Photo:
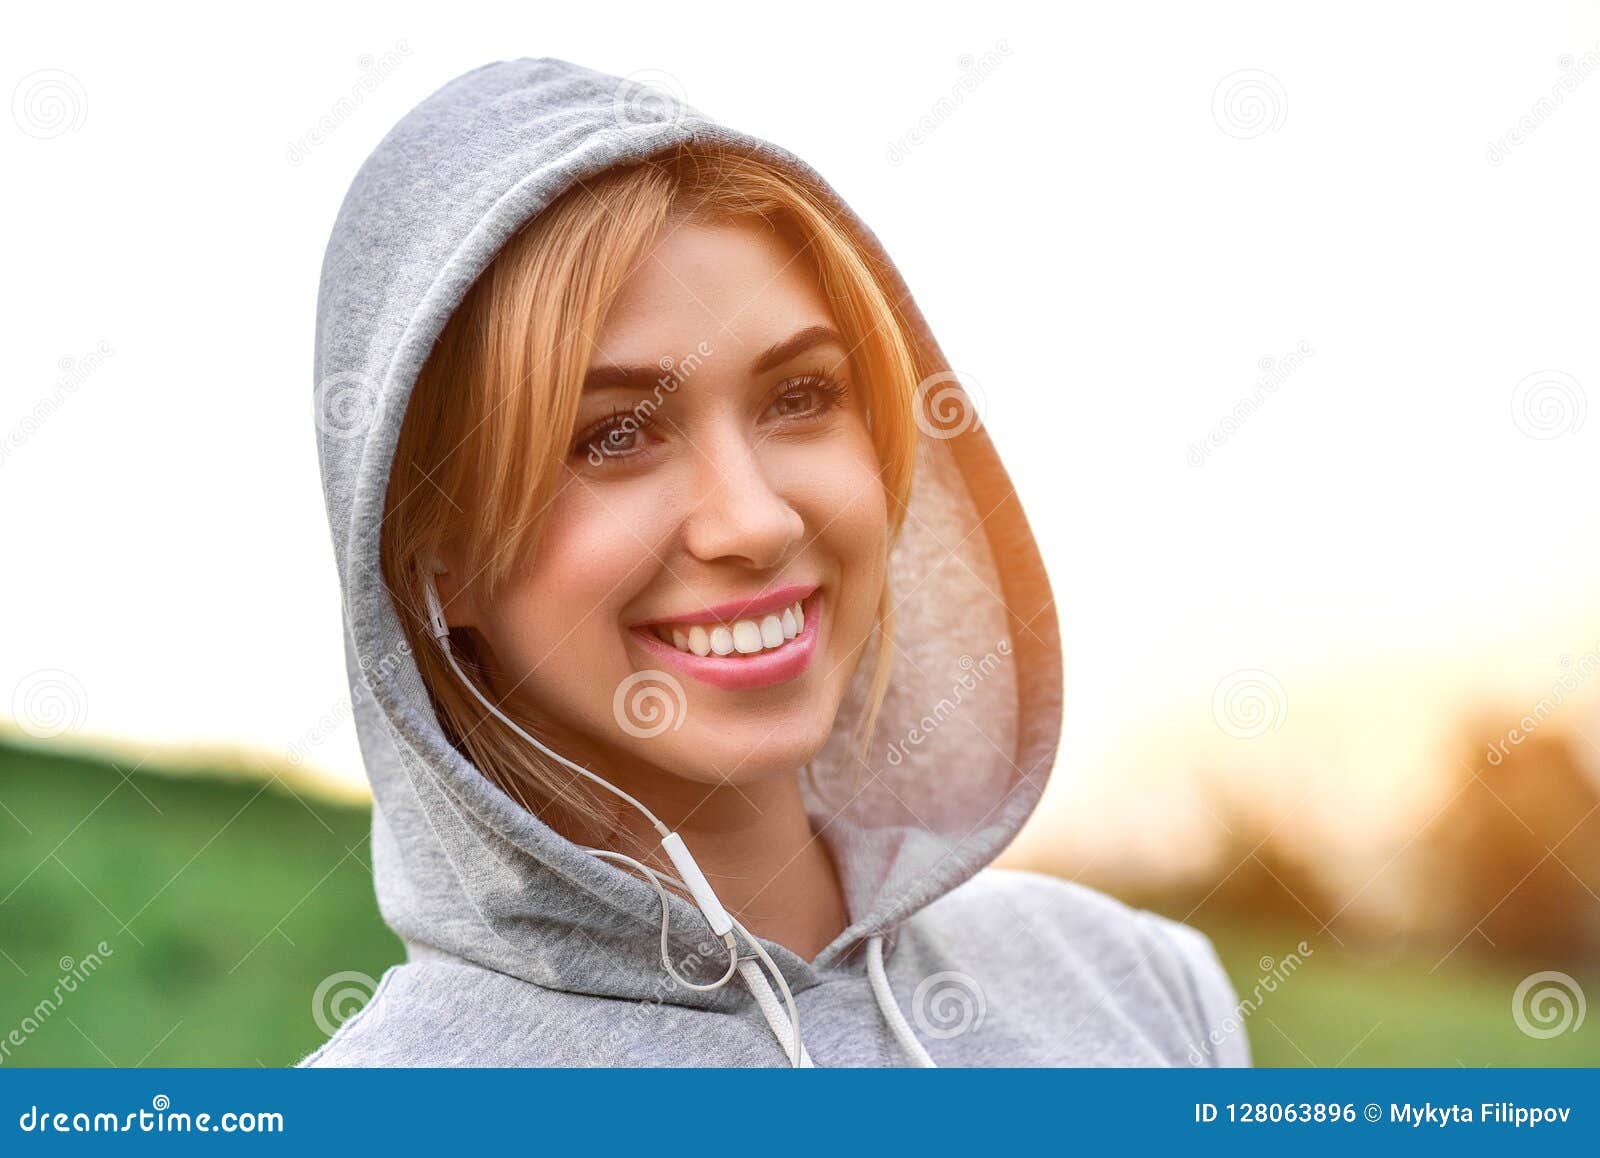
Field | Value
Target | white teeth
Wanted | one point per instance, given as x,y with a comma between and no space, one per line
771,631
744,636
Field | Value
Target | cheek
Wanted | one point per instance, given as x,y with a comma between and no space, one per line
590,559
837,489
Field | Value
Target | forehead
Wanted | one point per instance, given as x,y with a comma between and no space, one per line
740,287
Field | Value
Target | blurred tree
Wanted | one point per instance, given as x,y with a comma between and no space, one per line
1514,857
1264,869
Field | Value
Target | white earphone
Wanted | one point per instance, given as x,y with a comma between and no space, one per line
692,881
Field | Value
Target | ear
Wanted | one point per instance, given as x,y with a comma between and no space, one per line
460,608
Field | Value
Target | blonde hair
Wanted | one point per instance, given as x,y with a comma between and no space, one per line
512,359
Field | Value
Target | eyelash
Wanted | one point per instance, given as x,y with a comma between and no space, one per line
833,391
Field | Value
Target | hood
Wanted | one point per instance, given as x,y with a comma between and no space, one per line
967,734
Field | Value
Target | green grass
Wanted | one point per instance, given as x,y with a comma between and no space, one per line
1347,1006
225,902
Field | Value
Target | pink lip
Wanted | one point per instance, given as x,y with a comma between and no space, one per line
775,600
744,671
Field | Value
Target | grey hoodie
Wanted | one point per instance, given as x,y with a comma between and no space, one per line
522,949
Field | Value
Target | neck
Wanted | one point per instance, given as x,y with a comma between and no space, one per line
755,844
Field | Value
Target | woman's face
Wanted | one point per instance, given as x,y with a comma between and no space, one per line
709,572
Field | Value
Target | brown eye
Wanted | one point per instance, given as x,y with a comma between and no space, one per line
617,440
807,397
621,436
800,401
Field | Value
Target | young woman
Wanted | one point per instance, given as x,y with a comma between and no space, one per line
701,653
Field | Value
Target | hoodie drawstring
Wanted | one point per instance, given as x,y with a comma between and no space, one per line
783,1029
781,1016
773,1010
890,1008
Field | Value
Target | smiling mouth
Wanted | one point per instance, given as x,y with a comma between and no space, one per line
751,651
749,636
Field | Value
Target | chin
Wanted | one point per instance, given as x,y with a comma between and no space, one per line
746,751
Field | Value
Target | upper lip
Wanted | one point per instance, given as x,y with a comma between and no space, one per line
775,599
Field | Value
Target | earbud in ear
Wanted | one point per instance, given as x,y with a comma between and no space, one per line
430,597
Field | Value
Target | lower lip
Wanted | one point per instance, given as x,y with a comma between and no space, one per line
732,672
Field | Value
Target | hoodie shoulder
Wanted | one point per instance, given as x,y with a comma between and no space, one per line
1132,965
438,1013
421,1013
347,1040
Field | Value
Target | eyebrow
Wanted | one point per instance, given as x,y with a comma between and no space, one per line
645,377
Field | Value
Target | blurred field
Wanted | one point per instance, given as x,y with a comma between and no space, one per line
226,902
1344,1008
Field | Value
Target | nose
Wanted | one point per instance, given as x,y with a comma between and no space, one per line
740,516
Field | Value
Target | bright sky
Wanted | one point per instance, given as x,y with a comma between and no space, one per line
1112,232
